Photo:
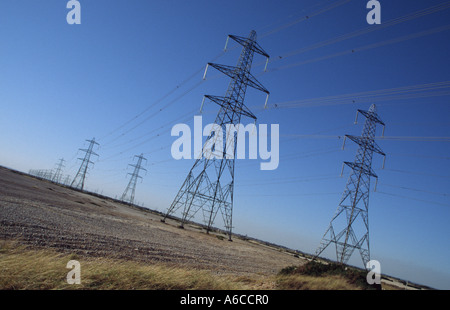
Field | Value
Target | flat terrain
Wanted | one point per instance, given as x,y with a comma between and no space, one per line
40,214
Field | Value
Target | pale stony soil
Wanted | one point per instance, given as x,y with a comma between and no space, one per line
41,214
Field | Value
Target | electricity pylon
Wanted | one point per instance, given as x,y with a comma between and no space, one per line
128,194
209,185
66,180
80,177
349,227
58,174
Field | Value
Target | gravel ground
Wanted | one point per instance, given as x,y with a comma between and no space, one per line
41,214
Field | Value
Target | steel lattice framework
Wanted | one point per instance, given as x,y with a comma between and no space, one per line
78,181
210,183
128,194
349,227
58,174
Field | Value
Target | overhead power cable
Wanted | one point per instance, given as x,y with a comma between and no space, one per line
409,92
419,173
360,32
416,189
393,138
363,48
306,17
416,199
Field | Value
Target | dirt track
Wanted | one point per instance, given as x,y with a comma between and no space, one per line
39,213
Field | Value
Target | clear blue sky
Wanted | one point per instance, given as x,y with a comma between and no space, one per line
61,84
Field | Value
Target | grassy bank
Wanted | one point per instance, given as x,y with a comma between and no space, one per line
45,269
315,276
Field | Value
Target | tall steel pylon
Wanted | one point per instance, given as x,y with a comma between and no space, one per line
58,173
128,194
349,227
78,181
210,183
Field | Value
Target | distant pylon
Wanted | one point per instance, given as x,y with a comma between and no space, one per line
66,180
59,168
80,177
209,185
128,194
349,227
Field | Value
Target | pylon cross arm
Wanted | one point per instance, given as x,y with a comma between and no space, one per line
233,72
243,41
253,82
224,102
360,167
372,116
369,143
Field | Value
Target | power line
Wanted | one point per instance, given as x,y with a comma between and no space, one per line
155,113
364,48
387,138
419,156
306,17
418,173
283,21
427,124
200,70
188,79
183,117
416,190
318,12
290,195
416,199
178,86
297,156
151,138
389,23
311,153
416,139
298,180
365,96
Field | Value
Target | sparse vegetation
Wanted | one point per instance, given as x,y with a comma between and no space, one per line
316,275
122,247
44,269
22,267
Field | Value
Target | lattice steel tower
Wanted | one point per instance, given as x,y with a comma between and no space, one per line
349,227
58,174
80,177
128,194
209,185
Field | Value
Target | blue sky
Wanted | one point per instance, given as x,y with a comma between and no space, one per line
132,69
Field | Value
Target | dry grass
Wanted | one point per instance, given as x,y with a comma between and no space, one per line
318,276
45,269
304,282
33,269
